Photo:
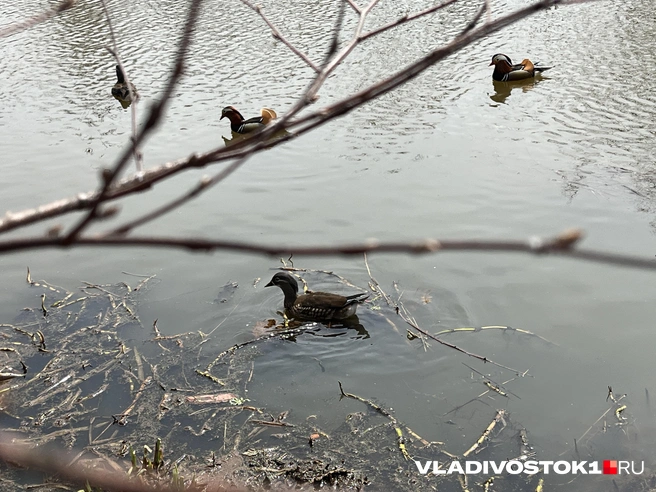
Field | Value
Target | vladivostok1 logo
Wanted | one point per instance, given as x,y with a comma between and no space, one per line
531,467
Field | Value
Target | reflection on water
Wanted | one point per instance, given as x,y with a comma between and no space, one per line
335,328
235,137
502,90
125,103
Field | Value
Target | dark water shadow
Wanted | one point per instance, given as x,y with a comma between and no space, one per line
503,90
329,329
239,137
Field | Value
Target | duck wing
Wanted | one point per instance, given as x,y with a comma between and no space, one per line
323,300
356,298
541,68
250,125
267,115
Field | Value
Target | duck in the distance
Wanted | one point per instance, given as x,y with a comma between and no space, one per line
506,71
240,125
315,305
121,89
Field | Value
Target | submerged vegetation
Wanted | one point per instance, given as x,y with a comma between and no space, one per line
87,385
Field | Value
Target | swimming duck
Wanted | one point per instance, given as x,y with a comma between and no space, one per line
120,90
239,125
315,305
505,71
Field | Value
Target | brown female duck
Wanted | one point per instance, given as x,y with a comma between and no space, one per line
315,305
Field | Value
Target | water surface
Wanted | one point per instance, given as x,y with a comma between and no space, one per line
448,155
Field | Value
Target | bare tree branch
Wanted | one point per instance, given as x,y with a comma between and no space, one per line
112,190
354,6
316,118
133,96
37,19
472,23
276,34
406,18
334,42
561,245
204,184
67,468
152,120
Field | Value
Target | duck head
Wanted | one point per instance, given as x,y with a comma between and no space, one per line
284,281
500,57
288,285
232,114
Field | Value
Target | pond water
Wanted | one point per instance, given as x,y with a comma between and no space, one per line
448,155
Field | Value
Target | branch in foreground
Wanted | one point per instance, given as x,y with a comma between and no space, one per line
561,245
203,185
276,34
133,184
68,469
37,19
133,107
155,114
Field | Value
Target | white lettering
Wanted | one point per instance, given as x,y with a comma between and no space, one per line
455,467
546,465
622,466
562,467
578,467
531,467
593,468
497,469
437,470
423,470
473,467
514,467
641,471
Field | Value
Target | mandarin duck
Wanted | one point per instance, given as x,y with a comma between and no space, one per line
505,71
121,89
239,125
315,305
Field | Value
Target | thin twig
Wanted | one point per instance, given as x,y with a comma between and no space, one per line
133,184
155,114
276,34
408,73
406,18
536,246
64,465
37,19
204,184
133,96
354,6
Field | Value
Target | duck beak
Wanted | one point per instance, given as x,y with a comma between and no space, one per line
270,284
222,116
491,63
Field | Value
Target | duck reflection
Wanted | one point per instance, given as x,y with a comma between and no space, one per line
335,328
239,137
293,328
502,90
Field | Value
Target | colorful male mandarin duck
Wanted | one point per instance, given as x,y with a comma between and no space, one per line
239,125
120,90
505,71
315,305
